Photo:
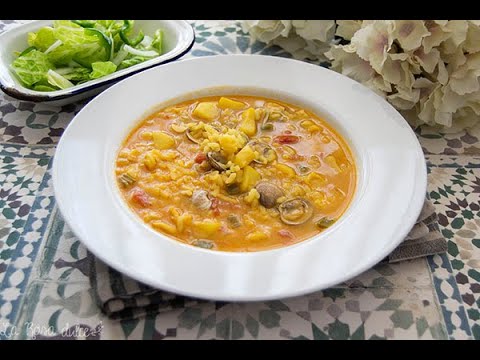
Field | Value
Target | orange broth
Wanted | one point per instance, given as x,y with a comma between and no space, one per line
236,173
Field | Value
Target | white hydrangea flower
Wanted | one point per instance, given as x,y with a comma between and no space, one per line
347,28
304,39
267,30
428,69
373,41
409,33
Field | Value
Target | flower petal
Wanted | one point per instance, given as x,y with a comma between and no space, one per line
267,30
410,33
438,34
427,61
466,84
472,42
322,30
347,28
373,42
350,64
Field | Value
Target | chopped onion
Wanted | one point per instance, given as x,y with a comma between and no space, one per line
145,53
121,55
65,70
58,80
111,47
147,41
74,64
52,47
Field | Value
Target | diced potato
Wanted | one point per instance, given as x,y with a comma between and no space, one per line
206,110
256,236
228,143
244,156
249,179
162,140
332,162
226,103
287,170
248,124
168,228
205,228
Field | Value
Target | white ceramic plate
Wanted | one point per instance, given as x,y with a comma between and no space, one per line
390,190
177,41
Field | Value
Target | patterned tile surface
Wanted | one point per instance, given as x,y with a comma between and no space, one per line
23,178
454,186
45,293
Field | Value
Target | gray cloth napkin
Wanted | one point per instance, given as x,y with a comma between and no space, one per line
424,239
121,297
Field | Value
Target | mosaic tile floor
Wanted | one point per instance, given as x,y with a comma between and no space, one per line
45,293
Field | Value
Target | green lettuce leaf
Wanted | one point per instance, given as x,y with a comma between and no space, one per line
32,67
42,39
41,87
132,61
75,74
102,68
78,45
77,51
104,24
65,23
62,55
157,42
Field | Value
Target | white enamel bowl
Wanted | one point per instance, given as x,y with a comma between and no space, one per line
390,190
178,39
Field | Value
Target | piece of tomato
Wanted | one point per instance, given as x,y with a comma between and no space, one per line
215,204
287,139
286,234
140,197
201,157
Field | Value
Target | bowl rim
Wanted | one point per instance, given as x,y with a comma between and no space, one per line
17,90
412,211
